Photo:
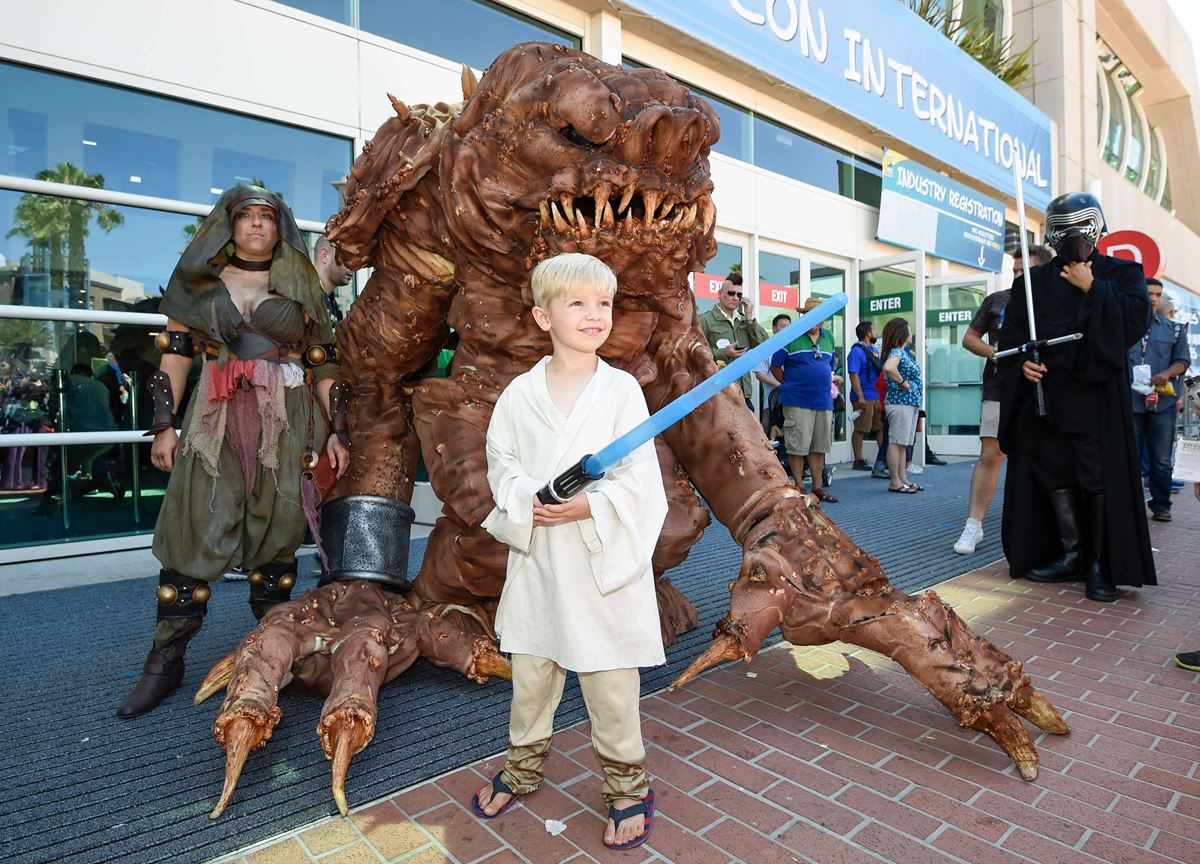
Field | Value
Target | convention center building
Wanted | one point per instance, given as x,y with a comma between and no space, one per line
861,150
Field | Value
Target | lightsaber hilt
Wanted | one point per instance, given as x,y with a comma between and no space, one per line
1041,394
1034,344
569,483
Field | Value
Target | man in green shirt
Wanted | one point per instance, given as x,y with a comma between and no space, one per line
730,327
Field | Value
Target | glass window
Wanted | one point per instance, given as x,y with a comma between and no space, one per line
341,11
778,276
68,377
74,254
474,32
59,128
792,154
1114,142
954,376
1154,167
990,11
1165,201
1137,144
727,260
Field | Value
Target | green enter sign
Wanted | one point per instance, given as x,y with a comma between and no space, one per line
885,304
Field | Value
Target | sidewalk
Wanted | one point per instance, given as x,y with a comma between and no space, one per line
834,755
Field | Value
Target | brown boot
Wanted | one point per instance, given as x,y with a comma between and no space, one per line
182,604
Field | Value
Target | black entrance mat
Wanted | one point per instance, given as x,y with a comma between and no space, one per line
78,785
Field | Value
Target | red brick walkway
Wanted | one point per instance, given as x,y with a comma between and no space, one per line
834,755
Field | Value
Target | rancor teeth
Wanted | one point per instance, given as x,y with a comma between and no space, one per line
600,195
560,224
650,197
606,217
582,224
543,214
689,218
568,206
627,223
626,197
679,214
708,213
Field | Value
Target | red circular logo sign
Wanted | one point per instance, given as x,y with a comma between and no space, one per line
1133,246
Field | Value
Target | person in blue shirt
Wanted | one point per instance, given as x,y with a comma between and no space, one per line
805,371
1164,348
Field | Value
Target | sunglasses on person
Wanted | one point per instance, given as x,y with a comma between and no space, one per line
737,294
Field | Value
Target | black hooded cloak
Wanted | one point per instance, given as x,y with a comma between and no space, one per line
1087,387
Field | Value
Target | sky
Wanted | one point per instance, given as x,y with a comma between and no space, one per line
1188,13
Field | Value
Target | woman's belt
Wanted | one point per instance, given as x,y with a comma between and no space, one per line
259,348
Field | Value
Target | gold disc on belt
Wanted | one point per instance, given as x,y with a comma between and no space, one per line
162,341
255,577
201,593
287,580
167,594
317,355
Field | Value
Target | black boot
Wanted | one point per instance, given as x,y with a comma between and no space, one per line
270,585
182,604
1065,568
1097,582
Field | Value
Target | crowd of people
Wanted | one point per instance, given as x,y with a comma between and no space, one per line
1082,428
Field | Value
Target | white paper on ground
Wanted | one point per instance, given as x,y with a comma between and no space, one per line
554,827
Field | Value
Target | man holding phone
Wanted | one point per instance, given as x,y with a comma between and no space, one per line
730,327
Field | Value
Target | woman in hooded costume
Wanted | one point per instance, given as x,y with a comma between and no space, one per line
245,297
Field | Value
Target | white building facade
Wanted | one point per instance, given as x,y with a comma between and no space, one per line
147,110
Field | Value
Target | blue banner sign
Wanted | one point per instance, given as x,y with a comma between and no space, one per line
878,61
922,209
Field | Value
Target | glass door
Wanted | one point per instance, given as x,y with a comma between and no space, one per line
894,287
954,376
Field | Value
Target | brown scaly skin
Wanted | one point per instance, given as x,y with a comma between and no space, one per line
345,641
554,151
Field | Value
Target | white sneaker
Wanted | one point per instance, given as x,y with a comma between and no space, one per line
235,574
914,469
971,535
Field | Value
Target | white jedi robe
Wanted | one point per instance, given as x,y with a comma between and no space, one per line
580,594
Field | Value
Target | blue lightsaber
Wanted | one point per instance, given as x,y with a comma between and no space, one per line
592,466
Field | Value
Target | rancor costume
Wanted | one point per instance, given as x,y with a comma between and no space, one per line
555,151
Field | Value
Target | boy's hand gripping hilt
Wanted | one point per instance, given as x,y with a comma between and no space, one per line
567,485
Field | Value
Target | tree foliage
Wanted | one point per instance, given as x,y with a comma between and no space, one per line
975,35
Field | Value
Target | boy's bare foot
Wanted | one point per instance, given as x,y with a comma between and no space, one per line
630,828
492,803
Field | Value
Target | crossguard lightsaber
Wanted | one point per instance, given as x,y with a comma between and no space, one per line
590,468
1018,173
1034,345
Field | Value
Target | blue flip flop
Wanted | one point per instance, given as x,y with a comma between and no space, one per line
498,786
646,808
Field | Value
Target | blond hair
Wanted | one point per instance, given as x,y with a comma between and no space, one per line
570,270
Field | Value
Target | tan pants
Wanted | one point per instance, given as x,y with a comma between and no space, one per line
612,700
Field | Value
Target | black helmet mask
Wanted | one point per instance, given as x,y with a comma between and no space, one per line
1074,225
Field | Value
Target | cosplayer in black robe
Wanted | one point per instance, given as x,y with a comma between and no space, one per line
1077,468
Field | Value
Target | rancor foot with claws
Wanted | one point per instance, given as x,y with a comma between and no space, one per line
343,640
802,574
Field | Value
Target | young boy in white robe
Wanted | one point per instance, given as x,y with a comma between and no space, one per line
579,592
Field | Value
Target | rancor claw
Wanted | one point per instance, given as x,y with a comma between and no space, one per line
1001,724
239,735
490,663
724,647
217,679
1038,711
343,733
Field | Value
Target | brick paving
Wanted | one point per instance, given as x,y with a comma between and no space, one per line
834,755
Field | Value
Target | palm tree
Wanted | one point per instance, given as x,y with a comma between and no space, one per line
60,225
976,35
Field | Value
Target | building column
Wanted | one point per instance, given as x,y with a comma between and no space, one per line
603,37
